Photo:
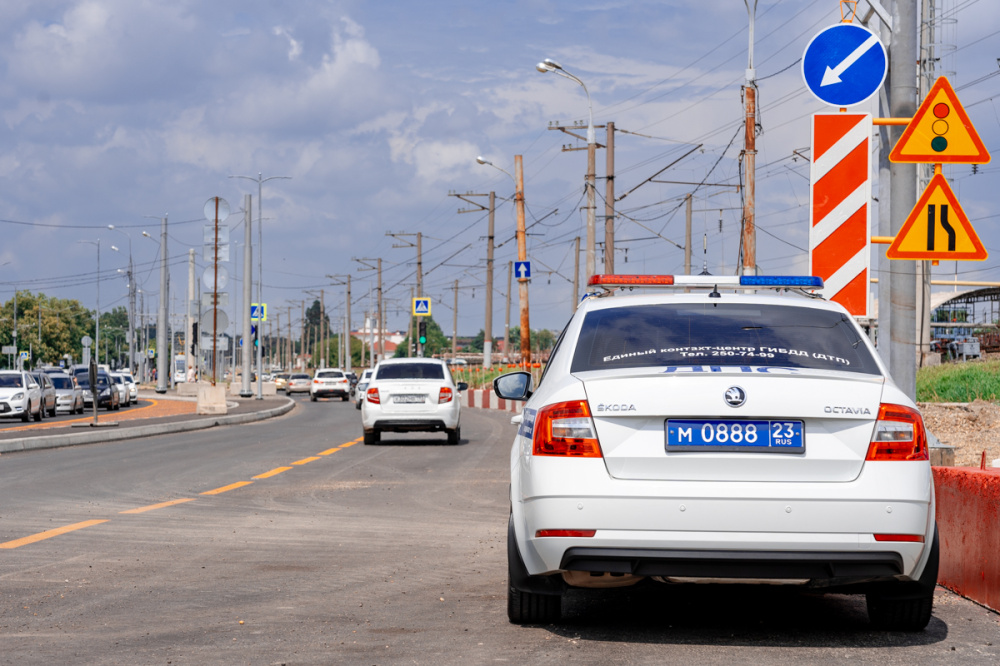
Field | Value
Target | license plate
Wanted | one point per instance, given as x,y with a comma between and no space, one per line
734,435
409,399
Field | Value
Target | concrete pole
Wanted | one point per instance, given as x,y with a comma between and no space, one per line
162,346
522,255
884,216
687,233
609,204
591,205
902,275
189,323
454,325
246,389
576,273
347,327
381,315
506,319
488,328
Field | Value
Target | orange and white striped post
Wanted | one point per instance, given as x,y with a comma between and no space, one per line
840,207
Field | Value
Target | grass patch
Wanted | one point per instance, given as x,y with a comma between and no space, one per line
959,382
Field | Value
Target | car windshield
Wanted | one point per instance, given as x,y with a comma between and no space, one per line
720,334
410,371
330,374
11,381
62,382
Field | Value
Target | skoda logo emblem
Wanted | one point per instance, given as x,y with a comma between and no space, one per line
735,396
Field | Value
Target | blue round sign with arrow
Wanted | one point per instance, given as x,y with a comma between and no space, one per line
844,65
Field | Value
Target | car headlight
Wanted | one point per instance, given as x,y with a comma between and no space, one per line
105,391
18,396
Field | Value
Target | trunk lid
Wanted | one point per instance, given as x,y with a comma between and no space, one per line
837,410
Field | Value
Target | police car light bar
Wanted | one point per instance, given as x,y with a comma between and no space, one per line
709,281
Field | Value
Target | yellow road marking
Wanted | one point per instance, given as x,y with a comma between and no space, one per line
48,534
223,489
346,444
161,505
329,451
274,472
89,418
305,460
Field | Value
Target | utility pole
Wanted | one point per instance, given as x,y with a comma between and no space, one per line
162,346
609,204
488,328
687,233
576,273
291,350
379,318
246,390
302,336
902,274
506,319
454,326
189,323
522,255
420,272
749,157
409,330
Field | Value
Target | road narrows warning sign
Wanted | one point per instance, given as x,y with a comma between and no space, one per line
937,228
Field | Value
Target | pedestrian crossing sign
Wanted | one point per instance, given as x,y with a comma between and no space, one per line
421,307
258,312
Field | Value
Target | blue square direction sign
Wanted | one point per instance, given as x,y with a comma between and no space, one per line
421,307
522,270
258,312
844,65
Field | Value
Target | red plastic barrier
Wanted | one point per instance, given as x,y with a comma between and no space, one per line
968,518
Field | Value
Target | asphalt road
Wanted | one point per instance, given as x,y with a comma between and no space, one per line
344,553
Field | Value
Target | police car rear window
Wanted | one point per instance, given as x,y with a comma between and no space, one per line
720,334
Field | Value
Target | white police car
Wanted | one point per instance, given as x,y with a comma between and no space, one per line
719,436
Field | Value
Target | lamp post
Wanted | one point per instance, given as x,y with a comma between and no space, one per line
548,65
97,324
522,253
260,180
131,299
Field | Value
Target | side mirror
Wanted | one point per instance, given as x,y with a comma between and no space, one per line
513,386
462,386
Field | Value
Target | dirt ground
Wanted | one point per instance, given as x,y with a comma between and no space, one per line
971,428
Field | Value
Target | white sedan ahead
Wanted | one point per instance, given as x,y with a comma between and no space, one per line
409,395
719,437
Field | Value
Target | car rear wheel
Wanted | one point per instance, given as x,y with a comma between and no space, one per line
523,606
906,606
52,412
41,413
312,397
343,398
372,436
454,436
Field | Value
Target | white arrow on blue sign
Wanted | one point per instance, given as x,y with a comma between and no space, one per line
844,65
522,269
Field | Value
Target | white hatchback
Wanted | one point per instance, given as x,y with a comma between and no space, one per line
412,394
719,437
330,382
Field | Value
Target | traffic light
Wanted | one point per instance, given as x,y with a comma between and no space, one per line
256,337
194,336
940,127
422,332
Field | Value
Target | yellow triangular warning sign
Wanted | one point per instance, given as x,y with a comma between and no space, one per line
937,228
940,131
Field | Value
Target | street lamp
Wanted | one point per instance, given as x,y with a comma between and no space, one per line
522,253
163,361
97,325
131,298
260,180
548,65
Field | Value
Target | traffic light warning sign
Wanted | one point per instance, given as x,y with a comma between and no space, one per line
937,228
940,132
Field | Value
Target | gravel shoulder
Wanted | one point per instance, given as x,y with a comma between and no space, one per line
971,428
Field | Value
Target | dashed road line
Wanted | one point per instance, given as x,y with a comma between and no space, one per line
274,472
306,460
161,505
226,489
48,534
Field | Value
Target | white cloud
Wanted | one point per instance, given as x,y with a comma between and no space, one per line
294,46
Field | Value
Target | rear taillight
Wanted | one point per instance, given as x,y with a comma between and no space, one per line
372,396
444,395
899,435
911,538
566,429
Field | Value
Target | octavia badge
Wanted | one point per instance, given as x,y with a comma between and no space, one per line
735,396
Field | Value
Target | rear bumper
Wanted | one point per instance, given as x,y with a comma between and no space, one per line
410,425
325,392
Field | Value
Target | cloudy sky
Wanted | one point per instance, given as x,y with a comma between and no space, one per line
123,111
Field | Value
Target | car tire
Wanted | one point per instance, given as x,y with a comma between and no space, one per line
312,397
454,436
41,413
906,606
524,606
26,416
357,405
343,398
372,436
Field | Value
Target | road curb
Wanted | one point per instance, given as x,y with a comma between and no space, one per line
115,435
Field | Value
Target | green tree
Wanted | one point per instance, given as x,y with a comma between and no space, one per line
436,340
49,327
